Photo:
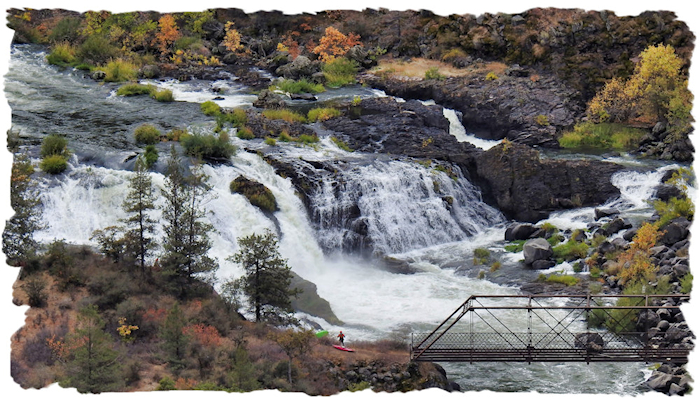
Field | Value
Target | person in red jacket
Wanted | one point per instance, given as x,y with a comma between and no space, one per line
341,337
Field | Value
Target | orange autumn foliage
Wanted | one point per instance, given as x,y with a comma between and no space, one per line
167,33
206,335
335,44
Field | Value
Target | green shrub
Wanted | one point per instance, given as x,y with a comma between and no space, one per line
284,137
135,89
53,164
359,386
270,141
237,117
120,71
453,54
482,275
300,86
495,266
307,139
62,54
208,146
555,239
166,383
542,120
516,246
603,135
673,209
67,29
286,115
341,145
624,320
568,280
164,95
571,250
340,72
151,155
176,134
146,134
54,145
686,282
432,73
97,50
481,256
245,133
187,42
322,114
210,108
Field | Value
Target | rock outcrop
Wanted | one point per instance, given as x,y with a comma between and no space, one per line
513,107
527,188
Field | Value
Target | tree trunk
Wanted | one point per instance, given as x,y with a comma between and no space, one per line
289,370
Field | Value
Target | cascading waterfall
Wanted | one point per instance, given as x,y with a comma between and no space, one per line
457,130
405,206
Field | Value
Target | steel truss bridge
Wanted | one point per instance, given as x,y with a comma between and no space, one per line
554,328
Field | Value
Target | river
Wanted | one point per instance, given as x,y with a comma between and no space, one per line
405,216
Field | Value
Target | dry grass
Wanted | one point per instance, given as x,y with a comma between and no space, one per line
416,68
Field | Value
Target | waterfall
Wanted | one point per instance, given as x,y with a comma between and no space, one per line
399,206
457,130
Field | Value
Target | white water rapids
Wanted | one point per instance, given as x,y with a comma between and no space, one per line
403,203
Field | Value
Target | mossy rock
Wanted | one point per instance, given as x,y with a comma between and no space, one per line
310,302
255,192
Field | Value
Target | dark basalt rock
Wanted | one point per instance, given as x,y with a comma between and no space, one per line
512,107
525,187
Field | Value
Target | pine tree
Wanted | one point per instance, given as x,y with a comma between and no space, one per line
242,377
92,365
18,238
138,203
267,277
186,233
174,339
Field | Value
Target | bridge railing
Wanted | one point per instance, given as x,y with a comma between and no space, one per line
553,328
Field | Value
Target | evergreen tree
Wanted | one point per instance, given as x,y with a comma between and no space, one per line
92,365
174,339
18,238
186,233
137,203
267,277
242,377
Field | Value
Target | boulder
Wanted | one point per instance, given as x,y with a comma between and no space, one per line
674,232
267,99
665,192
616,225
98,75
606,247
620,243
659,381
646,320
303,96
537,249
543,264
605,212
520,231
592,342
301,67
629,234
